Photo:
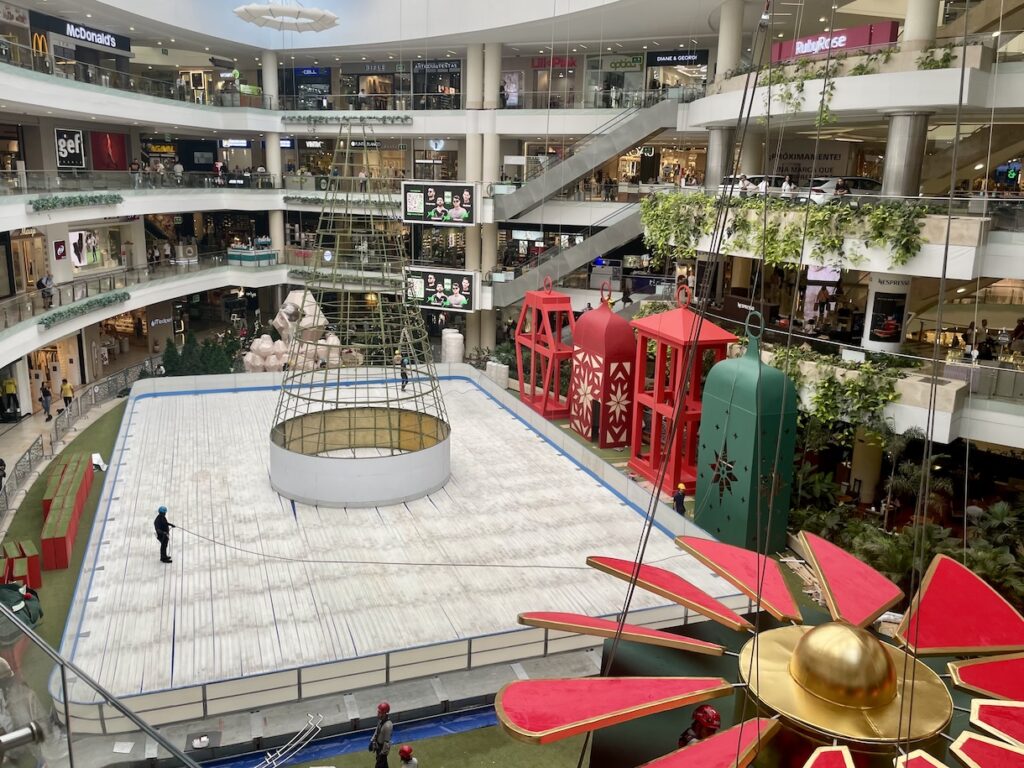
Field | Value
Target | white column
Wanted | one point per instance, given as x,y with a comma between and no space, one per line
63,270
920,25
491,158
137,236
276,225
885,320
752,153
473,77
270,93
272,153
492,75
730,37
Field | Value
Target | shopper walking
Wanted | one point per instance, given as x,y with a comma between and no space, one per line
679,498
46,398
45,284
380,744
163,533
67,392
135,169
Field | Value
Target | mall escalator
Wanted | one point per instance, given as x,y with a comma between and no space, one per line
623,132
610,233
1005,141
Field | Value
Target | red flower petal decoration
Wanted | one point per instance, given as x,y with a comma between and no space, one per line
587,625
854,591
830,757
1001,677
751,573
976,751
1003,719
542,711
732,748
956,612
672,587
918,759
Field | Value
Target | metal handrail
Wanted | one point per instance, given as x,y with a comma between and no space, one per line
66,666
18,473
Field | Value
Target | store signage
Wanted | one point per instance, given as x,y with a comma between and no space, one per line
442,204
162,149
812,46
40,46
527,234
372,68
235,143
11,14
677,58
315,119
313,143
623,63
79,32
441,289
160,321
312,71
554,62
287,143
60,249
647,150
70,147
364,144
442,65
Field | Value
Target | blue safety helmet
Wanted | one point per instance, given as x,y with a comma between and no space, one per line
162,511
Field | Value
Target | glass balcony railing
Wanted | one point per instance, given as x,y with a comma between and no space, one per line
64,716
49,64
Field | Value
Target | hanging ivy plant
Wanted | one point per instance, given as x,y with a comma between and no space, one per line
54,202
83,307
674,224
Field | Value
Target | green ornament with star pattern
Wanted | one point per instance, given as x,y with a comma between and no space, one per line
745,452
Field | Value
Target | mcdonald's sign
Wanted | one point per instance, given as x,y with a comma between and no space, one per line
40,45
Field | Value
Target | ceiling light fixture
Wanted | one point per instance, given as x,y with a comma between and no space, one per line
88,15
293,18
131,29
979,166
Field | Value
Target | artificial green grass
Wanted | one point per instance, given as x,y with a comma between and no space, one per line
480,748
58,586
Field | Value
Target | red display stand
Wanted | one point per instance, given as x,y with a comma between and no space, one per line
541,352
680,341
601,390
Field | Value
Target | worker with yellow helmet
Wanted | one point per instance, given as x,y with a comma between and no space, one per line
679,497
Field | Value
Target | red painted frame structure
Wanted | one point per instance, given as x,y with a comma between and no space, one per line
540,351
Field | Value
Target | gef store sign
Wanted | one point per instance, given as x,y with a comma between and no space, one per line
819,46
70,144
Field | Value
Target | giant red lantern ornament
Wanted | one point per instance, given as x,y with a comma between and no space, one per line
679,339
541,351
601,390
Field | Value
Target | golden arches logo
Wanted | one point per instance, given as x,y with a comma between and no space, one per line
40,45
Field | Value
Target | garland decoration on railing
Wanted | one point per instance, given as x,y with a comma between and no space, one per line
675,222
363,200
53,202
83,307
320,119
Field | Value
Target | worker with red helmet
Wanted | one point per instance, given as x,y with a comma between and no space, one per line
405,755
706,722
380,744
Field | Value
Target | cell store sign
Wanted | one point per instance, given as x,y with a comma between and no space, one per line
441,289
70,148
446,205
819,46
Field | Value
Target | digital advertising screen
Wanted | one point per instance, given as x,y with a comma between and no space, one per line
446,204
441,289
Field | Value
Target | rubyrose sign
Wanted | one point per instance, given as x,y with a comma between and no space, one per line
837,40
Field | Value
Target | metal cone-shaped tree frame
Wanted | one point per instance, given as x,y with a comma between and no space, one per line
360,420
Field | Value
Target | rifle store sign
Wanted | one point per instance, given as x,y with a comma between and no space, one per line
70,147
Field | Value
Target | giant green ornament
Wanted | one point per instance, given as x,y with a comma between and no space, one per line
745,454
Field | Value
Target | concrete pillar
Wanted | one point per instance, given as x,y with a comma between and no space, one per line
491,171
904,154
920,24
63,270
752,153
473,170
885,320
473,78
276,224
719,157
730,37
492,75
137,237
488,262
865,466
272,153
270,93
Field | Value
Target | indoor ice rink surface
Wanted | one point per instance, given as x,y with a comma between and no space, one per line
271,591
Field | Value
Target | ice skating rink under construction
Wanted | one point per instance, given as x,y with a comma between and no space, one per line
267,601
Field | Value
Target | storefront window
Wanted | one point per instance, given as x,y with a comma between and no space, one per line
614,81
437,84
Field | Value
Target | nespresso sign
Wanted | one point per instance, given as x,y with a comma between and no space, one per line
102,38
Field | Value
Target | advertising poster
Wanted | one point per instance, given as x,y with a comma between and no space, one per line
444,204
70,147
887,315
85,250
441,289
513,83
108,151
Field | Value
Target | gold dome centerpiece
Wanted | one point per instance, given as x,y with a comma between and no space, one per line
840,682
844,665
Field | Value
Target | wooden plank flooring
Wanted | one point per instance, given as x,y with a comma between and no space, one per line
268,593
